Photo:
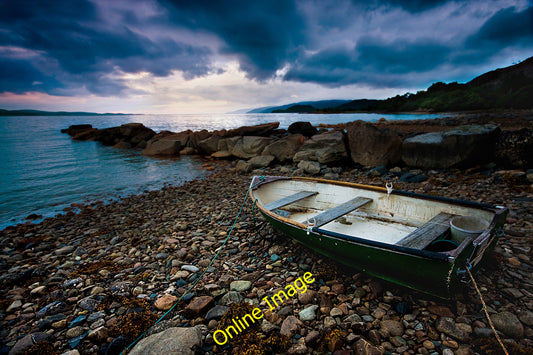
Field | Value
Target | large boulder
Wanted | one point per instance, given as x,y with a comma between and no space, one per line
209,145
173,341
305,128
264,129
250,146
136,134
460,146
165,144
514,149
372,146
284,149
76,129
325,148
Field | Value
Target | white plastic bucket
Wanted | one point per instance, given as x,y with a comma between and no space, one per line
463,227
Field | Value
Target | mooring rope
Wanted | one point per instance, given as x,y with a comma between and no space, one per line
486,311
261,179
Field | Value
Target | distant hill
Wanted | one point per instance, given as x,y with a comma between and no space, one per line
322,104
49,113
506,88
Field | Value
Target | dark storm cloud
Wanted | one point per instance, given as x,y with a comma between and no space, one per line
76,45
63,47
263,34
507,27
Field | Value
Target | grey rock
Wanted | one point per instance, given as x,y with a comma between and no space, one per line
261,161
308,313
231,297
460,146
509,324
216,312
310,167
190,268
173,341
285,148
325,148
250,146
243,167
240,285
165,144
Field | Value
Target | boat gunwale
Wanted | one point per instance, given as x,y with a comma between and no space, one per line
450,256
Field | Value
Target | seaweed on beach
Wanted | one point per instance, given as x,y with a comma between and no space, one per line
92,269
491,346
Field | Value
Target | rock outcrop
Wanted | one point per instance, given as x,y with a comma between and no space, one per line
324,148
372,146
460,146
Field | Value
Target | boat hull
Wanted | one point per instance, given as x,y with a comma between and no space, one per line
439,274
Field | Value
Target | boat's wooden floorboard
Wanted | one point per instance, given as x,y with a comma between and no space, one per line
428,232
289,199
340,210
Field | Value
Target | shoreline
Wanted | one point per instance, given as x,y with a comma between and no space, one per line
111,264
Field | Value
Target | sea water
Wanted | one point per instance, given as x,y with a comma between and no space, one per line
43,171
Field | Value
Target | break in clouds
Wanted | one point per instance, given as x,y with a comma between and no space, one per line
72,47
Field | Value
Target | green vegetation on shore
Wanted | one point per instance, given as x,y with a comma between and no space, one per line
507,88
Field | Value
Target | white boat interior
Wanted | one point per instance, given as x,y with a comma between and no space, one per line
360,212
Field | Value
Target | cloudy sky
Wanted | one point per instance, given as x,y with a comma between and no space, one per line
187,56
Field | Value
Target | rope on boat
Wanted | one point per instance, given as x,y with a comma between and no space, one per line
486,312
261,179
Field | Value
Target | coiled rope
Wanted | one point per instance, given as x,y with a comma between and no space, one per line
261,179
486,311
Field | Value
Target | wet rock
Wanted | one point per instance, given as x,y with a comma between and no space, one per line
173,341
199,304
88,303
51,308
165,302
216,312
509,324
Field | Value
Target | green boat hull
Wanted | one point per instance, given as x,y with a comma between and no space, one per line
439,276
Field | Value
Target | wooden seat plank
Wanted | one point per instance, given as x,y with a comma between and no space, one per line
340,210
428,232
289,199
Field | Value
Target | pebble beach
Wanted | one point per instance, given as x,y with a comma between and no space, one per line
94,281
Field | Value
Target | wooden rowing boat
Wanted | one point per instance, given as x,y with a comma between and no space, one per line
399,236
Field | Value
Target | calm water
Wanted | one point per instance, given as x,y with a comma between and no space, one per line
44,171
